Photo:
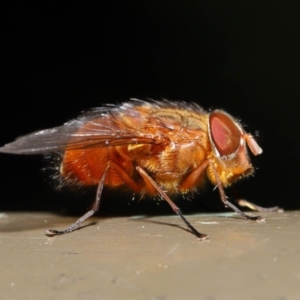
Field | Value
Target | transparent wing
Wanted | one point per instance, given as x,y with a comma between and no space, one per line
100,128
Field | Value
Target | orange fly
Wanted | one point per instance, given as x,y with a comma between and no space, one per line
153,147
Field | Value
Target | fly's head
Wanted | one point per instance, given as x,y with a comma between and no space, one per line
229,152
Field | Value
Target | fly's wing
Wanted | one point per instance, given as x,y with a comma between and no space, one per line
117,126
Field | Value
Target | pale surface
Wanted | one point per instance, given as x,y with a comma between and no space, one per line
150,258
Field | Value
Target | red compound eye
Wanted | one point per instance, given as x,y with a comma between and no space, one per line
225,133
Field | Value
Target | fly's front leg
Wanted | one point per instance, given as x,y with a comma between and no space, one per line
246,203
229,204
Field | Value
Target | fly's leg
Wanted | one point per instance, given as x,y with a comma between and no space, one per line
151,184
229,204
125,177
192,179
245,203
95,208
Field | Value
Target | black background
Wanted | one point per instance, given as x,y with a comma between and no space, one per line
61,58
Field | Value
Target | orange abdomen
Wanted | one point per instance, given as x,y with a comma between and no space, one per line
86,166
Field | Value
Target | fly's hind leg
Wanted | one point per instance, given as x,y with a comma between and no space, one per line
126,179
95,208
